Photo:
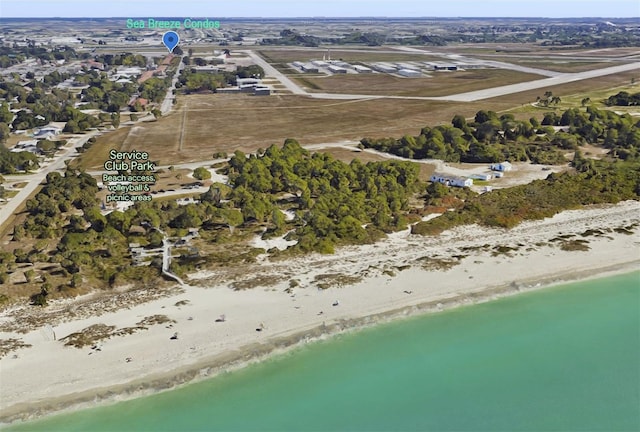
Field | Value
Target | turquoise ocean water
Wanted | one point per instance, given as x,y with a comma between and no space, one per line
563,358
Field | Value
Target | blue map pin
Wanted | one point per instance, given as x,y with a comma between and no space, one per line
170,39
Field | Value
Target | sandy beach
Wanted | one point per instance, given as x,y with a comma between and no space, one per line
211,328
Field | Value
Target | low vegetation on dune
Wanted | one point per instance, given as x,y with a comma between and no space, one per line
595,182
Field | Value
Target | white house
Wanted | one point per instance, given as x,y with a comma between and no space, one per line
504,166
451,180
484,177
29,146
47,131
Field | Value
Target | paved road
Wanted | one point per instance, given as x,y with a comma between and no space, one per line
34,180
513,67
167,103
271,71
533,85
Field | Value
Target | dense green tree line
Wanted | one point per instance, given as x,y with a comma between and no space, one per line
492,138
335,202
66,209
12,55
14,162
124,59
623,98
191,81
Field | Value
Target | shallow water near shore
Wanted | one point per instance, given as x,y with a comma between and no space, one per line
563,358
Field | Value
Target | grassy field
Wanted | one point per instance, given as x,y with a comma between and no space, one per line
557,65
572,94
598,96
98,154
437,84
225,123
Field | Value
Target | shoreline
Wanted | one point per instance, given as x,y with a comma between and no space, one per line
270,349
207,348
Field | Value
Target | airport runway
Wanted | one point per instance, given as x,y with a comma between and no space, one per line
555,78
494,91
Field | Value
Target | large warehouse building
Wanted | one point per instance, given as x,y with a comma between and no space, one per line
410,73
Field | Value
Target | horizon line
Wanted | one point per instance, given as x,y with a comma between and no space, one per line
322,16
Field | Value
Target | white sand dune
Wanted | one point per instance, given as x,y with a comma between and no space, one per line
390,281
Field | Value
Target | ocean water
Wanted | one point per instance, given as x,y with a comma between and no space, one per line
560,359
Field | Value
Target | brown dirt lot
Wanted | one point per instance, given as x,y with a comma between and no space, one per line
437,84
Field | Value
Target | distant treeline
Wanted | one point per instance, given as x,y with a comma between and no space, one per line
596,36
12,55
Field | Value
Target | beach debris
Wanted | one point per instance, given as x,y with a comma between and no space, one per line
222,318
175,336
190,319
128,359
336,303
408,292
262,327
320,313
